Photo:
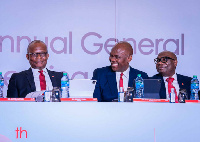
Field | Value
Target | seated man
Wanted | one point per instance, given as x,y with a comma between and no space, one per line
36,78
118,74
166,63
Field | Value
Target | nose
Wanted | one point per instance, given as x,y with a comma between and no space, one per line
158,63
39,56
112,59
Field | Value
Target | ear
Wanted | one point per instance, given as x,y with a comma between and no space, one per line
129,58
47,56
175,63
27,56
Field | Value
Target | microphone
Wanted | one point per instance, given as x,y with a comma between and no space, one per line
182,96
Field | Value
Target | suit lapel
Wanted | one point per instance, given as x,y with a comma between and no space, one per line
132,77
111,77
162,89
180,82
52,77
30,78
162,92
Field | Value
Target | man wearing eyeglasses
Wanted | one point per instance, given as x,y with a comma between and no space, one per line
118,75
36,78
166,64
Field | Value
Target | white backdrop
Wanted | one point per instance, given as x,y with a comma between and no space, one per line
80,33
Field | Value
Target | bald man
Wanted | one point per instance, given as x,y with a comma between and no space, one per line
166,63
108,78
37,77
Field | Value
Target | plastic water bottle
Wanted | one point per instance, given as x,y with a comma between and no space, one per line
139,87
65,86
194,88
121,95
1,85
172,96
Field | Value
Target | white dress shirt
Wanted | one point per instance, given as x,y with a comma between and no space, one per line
125,79
36,74
174,83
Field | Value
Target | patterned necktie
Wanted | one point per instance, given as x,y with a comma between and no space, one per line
42,80
121,81
170,86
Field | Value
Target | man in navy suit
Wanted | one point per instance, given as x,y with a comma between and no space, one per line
108,78
20,84
166,63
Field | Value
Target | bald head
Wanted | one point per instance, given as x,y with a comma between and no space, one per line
34,43
168,54
125,46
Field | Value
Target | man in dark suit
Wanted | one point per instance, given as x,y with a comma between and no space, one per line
108,78
36,78
166,63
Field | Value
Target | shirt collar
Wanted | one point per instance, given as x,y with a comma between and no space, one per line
173,76
125,73
35,71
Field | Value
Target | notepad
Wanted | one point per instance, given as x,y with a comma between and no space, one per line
81,88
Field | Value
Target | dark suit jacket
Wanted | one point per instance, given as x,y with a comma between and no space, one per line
106,87
183,81
20,84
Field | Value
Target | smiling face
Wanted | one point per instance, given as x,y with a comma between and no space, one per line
37,55
120,56
168,68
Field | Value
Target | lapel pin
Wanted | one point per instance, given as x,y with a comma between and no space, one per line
182,84
52,76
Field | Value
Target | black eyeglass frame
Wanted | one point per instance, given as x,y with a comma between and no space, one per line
162,59
43,54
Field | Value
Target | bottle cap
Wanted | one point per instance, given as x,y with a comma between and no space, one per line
194,76
139,75
64,73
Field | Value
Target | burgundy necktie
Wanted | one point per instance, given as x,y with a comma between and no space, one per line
170,86
121,81
42,80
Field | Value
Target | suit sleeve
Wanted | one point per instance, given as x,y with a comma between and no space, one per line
188,85
97,90
12,88
145,76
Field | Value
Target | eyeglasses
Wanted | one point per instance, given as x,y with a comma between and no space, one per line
162,59
43,54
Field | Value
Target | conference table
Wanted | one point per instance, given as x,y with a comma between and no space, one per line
72,121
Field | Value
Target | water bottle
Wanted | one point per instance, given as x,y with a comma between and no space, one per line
139,87
172,96
121,95
65,86
1,85
194,88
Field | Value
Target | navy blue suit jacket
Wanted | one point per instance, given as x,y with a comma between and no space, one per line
183,81
106,87
20,84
